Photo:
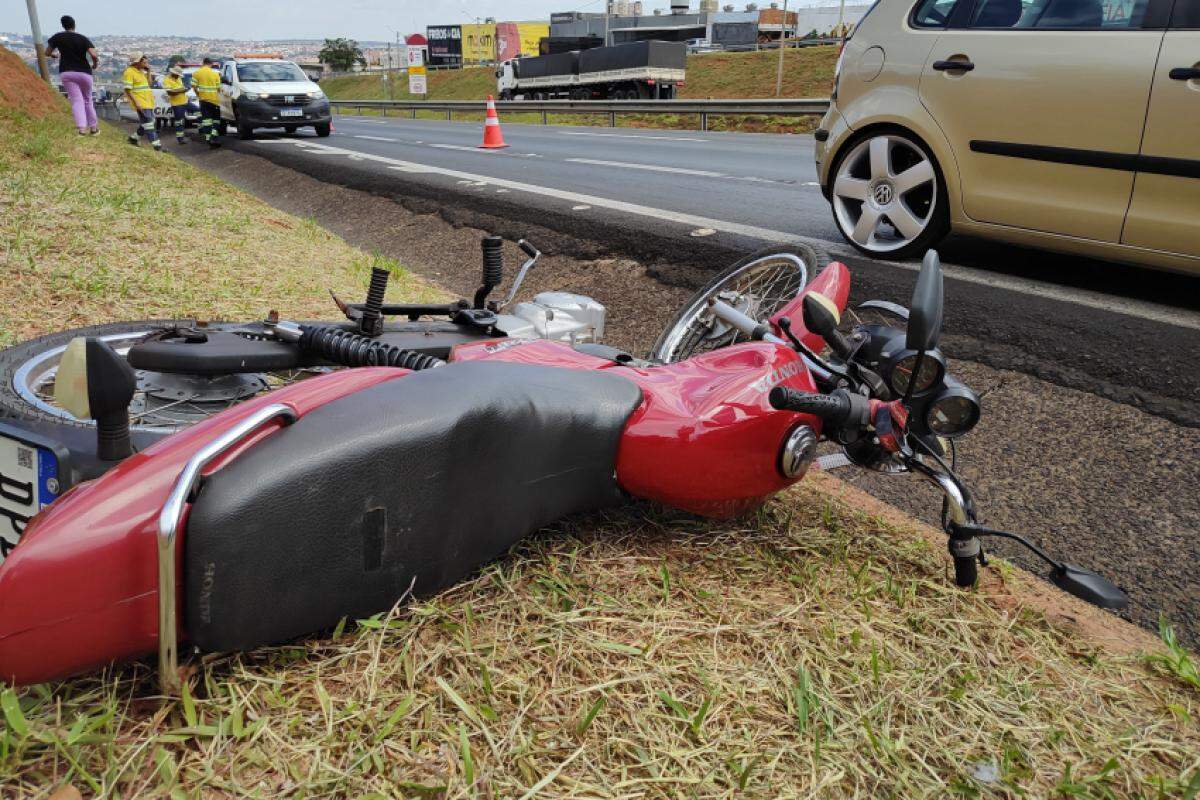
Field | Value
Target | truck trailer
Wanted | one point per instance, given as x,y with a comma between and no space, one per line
648,70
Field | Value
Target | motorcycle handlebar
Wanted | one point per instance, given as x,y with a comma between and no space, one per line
835,407
840,407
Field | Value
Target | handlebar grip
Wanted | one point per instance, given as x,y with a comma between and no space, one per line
835,407
528,248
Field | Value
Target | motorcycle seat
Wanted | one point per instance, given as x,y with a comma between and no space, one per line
409,484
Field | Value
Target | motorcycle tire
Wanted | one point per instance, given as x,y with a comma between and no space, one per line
693,330
25,376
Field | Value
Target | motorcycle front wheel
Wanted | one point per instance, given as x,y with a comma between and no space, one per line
162,404
758,285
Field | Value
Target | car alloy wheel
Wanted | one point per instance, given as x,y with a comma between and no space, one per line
885,193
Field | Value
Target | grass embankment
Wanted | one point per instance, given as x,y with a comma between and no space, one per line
92,230
808,72
811,650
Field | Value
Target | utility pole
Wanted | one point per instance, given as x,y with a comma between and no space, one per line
607,11
782,36
38,46
841,19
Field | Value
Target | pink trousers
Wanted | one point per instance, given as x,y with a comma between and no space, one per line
79,92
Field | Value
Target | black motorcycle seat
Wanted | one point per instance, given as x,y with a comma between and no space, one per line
412,483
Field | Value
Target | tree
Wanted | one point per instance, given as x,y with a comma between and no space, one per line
178,58
341,54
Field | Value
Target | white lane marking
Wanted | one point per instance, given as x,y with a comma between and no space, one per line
650,167
580,208
375,138
351,118
466,148
633,136
1082,297
691,220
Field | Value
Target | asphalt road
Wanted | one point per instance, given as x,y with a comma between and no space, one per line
706,198
1090,432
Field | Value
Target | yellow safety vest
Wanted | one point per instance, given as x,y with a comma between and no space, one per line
207,83
177,99
137,83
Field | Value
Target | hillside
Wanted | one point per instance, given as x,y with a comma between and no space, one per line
808,72
814,649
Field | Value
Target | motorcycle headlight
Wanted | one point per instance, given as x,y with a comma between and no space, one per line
953,412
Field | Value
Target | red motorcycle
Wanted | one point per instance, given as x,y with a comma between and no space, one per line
338,495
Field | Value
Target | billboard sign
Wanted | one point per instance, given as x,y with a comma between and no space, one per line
515,39
445,45
478,43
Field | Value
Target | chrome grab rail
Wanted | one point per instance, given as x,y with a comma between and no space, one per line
169,520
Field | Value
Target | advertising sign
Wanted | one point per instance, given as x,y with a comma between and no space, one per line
415,56
514,39
445,45
478,43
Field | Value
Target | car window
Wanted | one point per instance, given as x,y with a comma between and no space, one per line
932,13
261,73
1186,14
1060,14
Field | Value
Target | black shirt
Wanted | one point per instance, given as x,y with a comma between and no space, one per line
72,50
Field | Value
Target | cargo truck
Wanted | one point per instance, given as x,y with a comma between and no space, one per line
648,70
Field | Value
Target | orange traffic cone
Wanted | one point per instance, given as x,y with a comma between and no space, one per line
492,137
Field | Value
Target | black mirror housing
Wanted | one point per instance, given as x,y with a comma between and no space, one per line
925,314
1089,586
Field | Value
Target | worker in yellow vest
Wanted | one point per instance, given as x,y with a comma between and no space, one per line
177,96
141,99
207,83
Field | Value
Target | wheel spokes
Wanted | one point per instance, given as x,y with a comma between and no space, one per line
880,157
864,229
851,188
904,221
917,175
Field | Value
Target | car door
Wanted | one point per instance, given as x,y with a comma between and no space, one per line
1165,212
1044,102
226,93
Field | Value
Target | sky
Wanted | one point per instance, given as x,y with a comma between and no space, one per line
281,19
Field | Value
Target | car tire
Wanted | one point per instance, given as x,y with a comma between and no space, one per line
888,195
244,131
323,129
290,128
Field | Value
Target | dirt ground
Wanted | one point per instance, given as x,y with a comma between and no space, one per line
1084,476
20,87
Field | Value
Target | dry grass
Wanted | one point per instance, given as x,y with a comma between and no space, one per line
810,651
808,72
92,230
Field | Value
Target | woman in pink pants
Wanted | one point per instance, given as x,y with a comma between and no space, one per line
74,52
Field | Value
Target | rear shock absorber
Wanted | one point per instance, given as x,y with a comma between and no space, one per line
493,267
355,350
371,323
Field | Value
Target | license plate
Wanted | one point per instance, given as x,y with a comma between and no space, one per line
291,112
28,483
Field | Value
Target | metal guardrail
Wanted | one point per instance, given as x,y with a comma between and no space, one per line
702,108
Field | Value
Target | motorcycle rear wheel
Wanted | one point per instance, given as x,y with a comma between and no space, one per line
758,285
162,404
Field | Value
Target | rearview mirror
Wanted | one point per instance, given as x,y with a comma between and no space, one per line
925,314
